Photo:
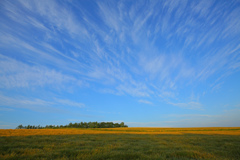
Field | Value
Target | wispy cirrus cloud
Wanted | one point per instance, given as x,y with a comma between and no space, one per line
146,59
145,102
6,109
16,74
58,17
159,50
189,105
69,103
37,104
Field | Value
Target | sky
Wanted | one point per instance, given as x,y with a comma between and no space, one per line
166,63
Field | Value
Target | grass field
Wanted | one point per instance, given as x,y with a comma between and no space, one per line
121,143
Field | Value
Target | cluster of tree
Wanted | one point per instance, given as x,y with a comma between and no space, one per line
77,125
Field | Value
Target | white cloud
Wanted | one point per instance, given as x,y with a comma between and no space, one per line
112,21
20,102
135,47
66,102
6,109
167,94
145,101
59,17
17,74
137,90
189,105
37,104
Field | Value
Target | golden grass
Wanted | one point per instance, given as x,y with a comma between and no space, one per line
131,130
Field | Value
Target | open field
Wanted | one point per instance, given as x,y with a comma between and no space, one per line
121,143
132,130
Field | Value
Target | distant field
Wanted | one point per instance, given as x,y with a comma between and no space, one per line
132,130
121,143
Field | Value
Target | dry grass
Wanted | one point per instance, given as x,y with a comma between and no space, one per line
132,130
121,143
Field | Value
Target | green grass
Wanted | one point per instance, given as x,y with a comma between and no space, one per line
122,146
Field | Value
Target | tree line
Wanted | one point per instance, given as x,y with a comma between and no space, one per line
76,125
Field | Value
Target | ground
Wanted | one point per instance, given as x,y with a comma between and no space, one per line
121,143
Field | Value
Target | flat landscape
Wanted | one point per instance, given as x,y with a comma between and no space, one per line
96,79
121,143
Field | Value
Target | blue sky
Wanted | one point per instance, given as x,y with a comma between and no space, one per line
147,63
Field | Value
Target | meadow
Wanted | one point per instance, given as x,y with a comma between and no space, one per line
121,143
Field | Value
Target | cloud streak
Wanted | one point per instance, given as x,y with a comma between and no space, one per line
16,74
36,104
189,105
145,102
169,69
